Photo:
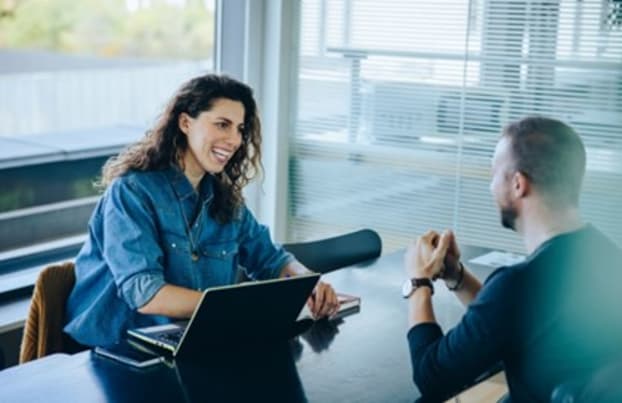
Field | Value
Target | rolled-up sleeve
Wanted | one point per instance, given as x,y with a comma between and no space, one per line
141,288
261,258
130,247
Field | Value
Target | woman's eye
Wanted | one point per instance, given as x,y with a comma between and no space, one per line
221,125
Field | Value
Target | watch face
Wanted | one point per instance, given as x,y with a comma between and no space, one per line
407,288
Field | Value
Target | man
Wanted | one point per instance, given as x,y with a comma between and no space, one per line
552,318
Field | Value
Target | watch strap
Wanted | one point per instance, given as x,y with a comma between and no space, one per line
422,282
418,283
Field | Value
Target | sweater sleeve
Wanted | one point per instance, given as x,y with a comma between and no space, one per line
445,364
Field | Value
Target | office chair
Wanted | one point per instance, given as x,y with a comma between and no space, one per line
326,255
43,330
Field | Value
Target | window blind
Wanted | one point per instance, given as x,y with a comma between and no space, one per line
400,105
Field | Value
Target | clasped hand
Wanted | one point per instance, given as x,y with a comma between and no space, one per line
432,256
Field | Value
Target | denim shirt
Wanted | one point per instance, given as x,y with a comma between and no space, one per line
142,235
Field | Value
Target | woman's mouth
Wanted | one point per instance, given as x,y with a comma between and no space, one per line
221,155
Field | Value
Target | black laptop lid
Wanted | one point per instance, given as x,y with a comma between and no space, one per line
246,315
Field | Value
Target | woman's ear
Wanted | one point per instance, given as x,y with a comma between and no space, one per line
184,122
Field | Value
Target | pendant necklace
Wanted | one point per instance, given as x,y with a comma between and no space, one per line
194,253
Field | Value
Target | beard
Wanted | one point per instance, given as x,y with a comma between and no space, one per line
508,216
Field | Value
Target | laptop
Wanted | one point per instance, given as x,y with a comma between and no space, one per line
243,314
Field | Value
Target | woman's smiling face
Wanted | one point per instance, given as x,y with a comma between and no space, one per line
213,136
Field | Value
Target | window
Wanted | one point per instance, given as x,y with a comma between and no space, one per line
71,65
401,103
78,82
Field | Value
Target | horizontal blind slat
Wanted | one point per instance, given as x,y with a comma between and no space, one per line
401,106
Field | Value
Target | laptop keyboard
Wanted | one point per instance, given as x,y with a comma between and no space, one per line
171,337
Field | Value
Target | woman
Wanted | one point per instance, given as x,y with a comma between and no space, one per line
172,219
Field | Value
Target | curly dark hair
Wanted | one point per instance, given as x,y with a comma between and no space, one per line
165,143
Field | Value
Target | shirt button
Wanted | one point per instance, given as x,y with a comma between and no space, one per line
173,245
224,252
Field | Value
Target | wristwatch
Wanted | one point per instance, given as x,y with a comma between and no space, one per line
410,285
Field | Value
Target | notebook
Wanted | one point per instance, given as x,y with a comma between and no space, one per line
130,353
252,312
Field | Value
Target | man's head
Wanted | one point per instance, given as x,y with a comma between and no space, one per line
537,156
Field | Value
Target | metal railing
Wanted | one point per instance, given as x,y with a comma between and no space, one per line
45,102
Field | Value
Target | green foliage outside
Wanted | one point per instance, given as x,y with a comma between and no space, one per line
15,198
109,28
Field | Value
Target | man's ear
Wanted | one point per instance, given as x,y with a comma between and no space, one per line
521,187
184,122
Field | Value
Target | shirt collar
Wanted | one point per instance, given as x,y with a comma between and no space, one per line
183,188
584,227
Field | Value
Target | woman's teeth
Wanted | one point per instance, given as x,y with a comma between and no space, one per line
221,155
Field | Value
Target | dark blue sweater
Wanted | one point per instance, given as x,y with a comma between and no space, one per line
554,317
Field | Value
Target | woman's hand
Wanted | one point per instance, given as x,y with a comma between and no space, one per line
323,302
